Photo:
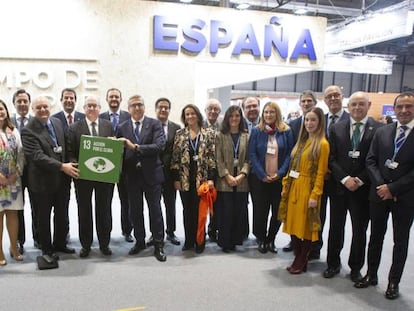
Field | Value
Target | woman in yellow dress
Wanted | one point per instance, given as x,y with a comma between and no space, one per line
303,187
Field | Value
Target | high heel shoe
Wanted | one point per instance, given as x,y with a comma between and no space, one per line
3,261
16,255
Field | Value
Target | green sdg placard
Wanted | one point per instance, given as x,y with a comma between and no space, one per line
100,159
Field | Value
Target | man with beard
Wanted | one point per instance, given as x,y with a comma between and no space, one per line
68,116
117,116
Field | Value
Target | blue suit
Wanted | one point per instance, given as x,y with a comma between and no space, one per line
144,173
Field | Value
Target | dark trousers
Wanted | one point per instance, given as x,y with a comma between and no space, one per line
169,195
66,184
21,233
232,206
317,245
126,223
136,191
103,214
43,202
358,205
402,219
190,201
268,198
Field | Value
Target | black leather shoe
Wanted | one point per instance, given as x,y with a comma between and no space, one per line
356,276
21,249
173,239
128,238
288,247
65,249
105,250
187,247
136,249
53,255
271,247
200,248
84,252
150,242
314,255
262,247
367,281
331,272
392,291
159,254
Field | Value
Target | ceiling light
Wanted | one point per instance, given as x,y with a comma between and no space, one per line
243,6
301,11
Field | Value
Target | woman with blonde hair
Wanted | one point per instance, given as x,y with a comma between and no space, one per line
11,167
303,187
270,144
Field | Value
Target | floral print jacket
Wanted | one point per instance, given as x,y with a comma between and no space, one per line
180,163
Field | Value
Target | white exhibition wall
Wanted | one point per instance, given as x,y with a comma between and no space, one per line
97,44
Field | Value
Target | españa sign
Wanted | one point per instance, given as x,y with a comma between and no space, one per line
100,159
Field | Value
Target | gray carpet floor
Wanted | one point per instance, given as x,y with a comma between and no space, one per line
242,280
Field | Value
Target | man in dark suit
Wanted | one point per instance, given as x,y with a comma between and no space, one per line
95,126
21,101
349,144
333,99
144,141
45,151
307,101
117,116
390,168
169,194
68,116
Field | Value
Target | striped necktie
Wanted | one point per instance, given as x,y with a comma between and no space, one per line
401,137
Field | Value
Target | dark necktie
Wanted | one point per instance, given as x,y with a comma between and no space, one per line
332,122
70,119
401,137
356,135
114,120
21,125
94,132
136,131
52,133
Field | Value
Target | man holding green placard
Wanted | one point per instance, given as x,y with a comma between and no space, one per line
94,126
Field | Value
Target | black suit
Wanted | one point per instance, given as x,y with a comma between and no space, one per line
169,193
295,126
77,116
144,173
44,162
21,236
327,190
126,224
400,182
341,165
84,189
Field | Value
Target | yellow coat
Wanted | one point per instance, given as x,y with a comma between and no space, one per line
300,192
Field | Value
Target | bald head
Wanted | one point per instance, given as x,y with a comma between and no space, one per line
358,105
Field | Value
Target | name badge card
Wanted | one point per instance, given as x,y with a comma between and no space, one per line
354,154
392,165
294,174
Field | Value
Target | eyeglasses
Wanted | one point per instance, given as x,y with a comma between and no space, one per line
163,108
333,95
137,105
92,106
213,109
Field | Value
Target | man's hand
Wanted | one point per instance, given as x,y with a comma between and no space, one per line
384,192
70,169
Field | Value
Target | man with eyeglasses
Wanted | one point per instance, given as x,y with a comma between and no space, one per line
390,168
169,194
333,99
212,110
95,126
45,152
116,115
144,141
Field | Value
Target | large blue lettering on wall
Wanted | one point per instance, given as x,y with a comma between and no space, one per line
221,36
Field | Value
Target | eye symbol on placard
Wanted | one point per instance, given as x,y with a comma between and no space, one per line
99,165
